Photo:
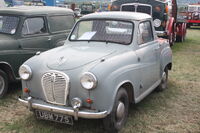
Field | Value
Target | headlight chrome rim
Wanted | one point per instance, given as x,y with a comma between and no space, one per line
76,102
25,72
92,77
157,23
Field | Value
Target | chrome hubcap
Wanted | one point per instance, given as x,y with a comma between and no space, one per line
2,84
120,110
164,78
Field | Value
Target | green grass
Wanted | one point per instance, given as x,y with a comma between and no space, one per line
175,110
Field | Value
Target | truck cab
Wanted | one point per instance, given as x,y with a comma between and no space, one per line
163,12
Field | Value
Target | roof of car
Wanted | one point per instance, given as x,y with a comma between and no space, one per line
118,15
34,10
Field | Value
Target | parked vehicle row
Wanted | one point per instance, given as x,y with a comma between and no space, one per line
109,60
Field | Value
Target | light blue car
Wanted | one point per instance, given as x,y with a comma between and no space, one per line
109,60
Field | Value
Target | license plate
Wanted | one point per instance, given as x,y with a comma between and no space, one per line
54,117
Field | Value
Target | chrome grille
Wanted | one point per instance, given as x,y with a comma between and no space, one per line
55,85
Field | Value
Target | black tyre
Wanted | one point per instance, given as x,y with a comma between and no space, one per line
3,83
180,38
118,117
164,81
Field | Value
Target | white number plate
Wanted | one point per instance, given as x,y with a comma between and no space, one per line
54,117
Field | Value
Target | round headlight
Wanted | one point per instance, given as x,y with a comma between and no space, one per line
25,72
157,23
88,81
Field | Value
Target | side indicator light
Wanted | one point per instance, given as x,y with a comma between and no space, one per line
89,101
26,90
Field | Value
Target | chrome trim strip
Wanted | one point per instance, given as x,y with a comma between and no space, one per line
67,111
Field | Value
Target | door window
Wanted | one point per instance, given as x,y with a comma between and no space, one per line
33,26
61,23
145,33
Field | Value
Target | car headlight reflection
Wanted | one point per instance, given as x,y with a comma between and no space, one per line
88,81
25,72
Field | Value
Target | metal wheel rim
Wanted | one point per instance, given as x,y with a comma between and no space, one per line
164,79
2,84
120,111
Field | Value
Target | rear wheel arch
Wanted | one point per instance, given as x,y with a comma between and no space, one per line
6,67
169,66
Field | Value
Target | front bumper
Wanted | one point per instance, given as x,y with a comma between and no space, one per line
38,104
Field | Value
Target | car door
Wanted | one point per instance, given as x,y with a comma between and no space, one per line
147,53
34,36
60,27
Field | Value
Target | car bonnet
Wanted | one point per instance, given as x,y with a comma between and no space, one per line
74,56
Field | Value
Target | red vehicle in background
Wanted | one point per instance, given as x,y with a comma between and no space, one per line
168,22
193,15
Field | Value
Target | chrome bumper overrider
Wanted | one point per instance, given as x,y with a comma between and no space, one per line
32,104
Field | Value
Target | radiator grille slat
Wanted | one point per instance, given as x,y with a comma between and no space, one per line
56,87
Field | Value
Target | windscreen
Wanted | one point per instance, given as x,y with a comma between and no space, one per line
8,24
130,8
103,31
137,8
144,9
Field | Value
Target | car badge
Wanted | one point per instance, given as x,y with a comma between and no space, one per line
61,60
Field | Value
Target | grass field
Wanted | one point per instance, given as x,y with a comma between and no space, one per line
176,110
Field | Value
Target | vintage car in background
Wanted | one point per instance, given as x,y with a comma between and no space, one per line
87,8
27,30
110,59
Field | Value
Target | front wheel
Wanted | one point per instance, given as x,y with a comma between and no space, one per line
117,118
163,84
3,83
